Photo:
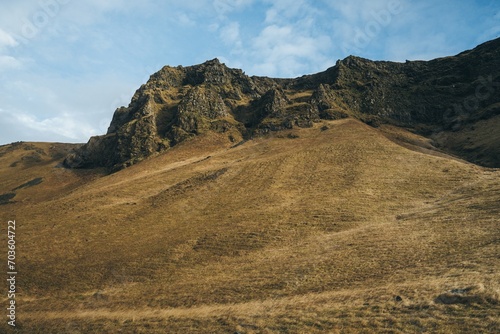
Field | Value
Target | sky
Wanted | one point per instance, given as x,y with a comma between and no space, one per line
66,65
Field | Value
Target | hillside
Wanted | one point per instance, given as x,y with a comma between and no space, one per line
330,228
348,201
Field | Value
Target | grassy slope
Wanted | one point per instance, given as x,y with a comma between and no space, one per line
312,234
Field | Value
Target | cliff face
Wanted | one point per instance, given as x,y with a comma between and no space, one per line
453,100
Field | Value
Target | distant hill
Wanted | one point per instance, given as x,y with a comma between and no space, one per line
455,101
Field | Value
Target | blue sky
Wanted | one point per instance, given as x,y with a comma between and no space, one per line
66,65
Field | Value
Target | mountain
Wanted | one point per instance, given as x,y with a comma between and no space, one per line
268,206
453,100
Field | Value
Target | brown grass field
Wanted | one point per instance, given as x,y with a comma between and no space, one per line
336,229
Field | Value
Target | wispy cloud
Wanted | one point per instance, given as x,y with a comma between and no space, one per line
363,25
65,127
56,109
283,50
287,44
230,35
6,40
185,20
283,11
224,7
9,62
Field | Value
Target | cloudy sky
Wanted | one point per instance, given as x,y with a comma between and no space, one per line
66,65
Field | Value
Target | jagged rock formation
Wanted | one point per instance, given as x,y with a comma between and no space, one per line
448,99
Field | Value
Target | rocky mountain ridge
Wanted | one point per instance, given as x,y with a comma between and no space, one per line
452,100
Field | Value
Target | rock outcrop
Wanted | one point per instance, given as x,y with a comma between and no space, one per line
443,99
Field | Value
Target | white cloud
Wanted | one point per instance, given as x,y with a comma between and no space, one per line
213,27
56,109
63,125
224,7
358,25
289,45
66,126
8,62
29,127
361,11
230,34
6,40
284,51
185,20
28,20
284,11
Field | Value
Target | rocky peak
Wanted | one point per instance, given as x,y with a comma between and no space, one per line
166,78
176,103
210,72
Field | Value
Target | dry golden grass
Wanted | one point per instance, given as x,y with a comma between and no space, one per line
344,230
300,96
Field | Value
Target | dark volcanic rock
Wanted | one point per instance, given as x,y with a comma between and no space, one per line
441,98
